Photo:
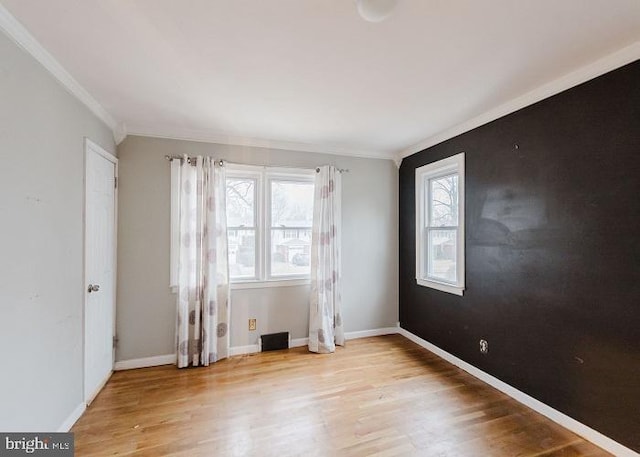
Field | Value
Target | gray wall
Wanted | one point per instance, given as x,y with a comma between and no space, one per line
146,307
42,130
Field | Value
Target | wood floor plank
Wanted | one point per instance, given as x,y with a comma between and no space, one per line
380,396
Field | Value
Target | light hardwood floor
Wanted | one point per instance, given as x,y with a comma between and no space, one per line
382,396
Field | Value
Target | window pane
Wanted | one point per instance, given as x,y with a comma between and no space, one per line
242,253
291,204
444,201
290,252
240,202
442,255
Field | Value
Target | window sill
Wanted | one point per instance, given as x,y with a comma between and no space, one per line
268,284
456,290
261,284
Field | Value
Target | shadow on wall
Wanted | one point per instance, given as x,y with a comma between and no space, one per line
511,216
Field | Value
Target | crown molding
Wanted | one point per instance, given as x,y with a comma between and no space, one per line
120,132
601,66
21,36
205,136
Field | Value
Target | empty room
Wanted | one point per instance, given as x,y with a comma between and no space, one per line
320,228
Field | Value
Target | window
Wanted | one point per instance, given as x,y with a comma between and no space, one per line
242,226
290,219
440,225
269,217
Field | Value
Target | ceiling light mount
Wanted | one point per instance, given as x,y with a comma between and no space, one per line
375,10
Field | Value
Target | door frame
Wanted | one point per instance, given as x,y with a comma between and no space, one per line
92,147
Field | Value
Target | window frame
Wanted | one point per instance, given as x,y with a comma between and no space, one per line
423,176
264,176
271,177
257,217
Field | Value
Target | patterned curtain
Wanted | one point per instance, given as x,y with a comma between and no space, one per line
203,276
325,319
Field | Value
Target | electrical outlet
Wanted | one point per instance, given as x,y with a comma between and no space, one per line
484,346
252,324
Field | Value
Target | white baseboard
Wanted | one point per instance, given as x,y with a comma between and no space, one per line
372,332
72,419
567,422
168,359
92,395
298,342
241,350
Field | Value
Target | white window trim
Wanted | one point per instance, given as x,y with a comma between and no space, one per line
255,174
453,164
264,177
270,177
246,284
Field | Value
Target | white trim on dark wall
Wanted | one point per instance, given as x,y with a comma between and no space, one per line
562,419
604,65
21,36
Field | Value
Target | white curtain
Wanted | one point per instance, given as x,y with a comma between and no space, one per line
202,327
325,318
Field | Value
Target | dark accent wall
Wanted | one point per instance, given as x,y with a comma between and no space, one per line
552,253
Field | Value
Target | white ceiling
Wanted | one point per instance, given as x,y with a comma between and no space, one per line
311,74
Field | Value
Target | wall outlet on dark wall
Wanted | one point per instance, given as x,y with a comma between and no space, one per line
484,346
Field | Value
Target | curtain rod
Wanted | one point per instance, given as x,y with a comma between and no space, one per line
222,162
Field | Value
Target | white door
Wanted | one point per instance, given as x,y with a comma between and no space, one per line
100,239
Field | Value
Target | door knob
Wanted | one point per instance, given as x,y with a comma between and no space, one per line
93,288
